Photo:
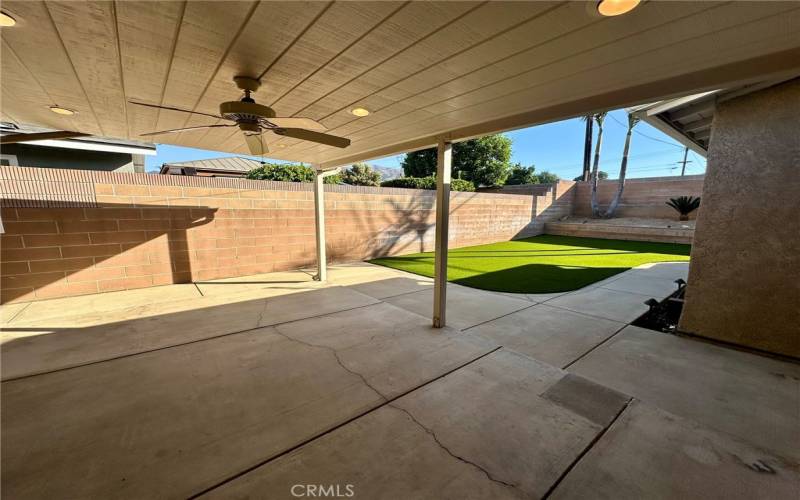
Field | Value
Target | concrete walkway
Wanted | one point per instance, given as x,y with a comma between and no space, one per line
247,387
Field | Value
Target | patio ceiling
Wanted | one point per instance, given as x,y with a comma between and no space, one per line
423,69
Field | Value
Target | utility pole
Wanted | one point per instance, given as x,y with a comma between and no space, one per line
683,166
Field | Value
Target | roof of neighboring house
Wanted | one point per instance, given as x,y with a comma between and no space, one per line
90,143
688,119
233,164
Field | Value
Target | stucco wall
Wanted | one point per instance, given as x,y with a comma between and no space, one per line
744,279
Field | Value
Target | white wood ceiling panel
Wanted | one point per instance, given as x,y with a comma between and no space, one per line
148,32
250,56
40,50
683,55
336,29
399,36
206,34
473,27
30,98
91,27
609,41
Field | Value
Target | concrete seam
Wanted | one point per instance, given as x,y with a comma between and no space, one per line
338,426
11,379
586,450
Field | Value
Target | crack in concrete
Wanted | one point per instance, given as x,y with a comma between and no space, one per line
336,357
262,313
449,452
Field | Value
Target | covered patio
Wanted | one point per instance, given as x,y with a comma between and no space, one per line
356,380
248,387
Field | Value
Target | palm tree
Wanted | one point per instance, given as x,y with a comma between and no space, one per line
623,168
587,147
598,117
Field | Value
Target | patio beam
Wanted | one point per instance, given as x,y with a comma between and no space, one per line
319,221
443,167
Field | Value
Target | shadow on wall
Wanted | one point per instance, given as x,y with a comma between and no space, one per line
550,203
78,247
412,231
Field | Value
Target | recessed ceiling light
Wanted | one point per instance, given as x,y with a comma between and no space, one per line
281,145
62,111
6,20
360,111
616,7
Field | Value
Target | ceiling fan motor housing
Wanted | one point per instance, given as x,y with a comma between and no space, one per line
243,111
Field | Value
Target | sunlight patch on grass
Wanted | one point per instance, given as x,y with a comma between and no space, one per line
542,264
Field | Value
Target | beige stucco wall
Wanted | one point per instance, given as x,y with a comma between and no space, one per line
744,279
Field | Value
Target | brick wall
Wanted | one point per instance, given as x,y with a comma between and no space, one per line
641,197
71,232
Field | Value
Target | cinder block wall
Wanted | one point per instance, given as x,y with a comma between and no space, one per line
644,198
73,232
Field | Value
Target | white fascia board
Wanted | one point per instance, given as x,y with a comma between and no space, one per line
93,146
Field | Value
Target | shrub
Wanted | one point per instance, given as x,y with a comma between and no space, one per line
461,185
427,183
361,174
522,175
288,172
546,177
684,205
600,175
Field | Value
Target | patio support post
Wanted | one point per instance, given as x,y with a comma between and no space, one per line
319,221
443,164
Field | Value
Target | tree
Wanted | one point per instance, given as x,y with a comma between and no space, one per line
361,174
600,175
587,148
546,177
484,161
623,168
522,175
598,118
288,172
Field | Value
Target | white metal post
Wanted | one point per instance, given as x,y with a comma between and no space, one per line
319,222
443,172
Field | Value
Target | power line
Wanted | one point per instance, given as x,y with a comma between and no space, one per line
643,134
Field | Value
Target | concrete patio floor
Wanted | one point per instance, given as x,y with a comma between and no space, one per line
242,388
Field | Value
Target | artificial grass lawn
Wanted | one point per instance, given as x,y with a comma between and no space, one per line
542,264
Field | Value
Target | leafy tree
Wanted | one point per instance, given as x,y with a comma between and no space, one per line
361,174
484,161
522,175
288,172
546,177
600,175
420,164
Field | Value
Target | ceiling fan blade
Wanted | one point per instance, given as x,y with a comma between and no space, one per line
256,144
187,128
306,123
310,135
169,108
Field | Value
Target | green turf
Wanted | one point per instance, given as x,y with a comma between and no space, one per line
542,264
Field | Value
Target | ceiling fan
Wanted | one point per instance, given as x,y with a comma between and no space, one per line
255,119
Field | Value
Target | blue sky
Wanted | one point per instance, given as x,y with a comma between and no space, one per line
556,147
